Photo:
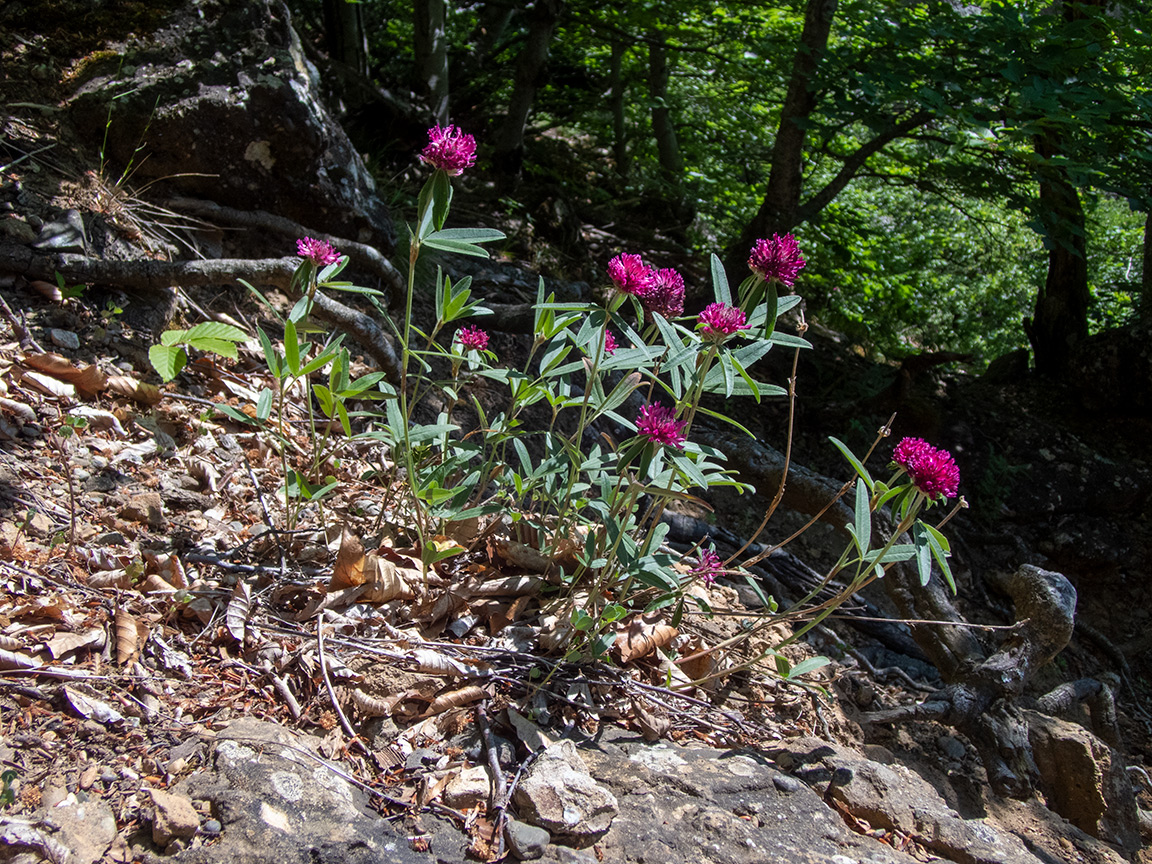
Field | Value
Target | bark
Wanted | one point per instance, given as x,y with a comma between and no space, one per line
1146,277
617,90
778,212
494,19
432,55
509,156
162,275
344,34
663,129
1060,320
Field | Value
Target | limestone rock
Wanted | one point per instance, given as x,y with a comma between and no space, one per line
226,107
527,842
468,788
559,795
1084,780
174,817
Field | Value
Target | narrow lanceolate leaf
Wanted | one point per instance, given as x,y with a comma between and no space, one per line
720,288
853,461
923,553
291,348
863,518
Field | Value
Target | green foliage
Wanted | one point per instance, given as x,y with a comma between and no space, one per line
170,356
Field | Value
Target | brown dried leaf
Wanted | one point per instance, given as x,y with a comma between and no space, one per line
652,727
374,706
386,581
167,565
19,410
643,635
48,385
47,290
127,637
455,699
434,663
12,660
109,579
156,584
66,643
89,380
239,607
349,569
123,385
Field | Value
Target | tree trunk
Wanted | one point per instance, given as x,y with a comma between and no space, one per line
509,157
778,213
432,55
344,34
667,147
494,19
1061,317
1146,278
619,130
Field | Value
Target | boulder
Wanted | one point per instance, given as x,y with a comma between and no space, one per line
219,100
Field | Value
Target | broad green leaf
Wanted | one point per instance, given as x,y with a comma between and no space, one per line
217,346
863,518
217,330
811,664
167,360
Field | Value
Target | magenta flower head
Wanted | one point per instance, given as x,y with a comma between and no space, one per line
719,321
777,258
610,345
631,275
666,294
472,338
317,251
450,150
659,425
934,472
710,566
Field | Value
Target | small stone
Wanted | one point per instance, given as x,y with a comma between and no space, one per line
174,817
211,827
65,339
418,758
146,509
63,235
952,748
39,525
468,788
786,783
527,842
112,538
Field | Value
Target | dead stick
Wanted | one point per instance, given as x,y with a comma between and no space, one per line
347,727
499,798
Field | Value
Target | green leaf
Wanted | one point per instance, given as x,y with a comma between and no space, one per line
167,360
853,461
264,404
271,356
217,346
923,553
291,348
441,198
217,330
863,518
324,397
802,668
720,288
456,246
468,235
772,303
172,337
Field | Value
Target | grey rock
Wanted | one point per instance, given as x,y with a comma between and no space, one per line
63,235
559,794
952,747
527,842
65,339
278,802
229,108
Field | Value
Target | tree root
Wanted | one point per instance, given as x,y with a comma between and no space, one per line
161,275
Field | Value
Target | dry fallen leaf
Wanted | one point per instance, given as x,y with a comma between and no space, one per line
46,289
48,385
127,637
123,385
455,699
386,581
66,643
349,569
89,380
374,706
643,635
239,607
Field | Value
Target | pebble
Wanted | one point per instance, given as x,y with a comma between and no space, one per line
64,339
786,783
952,748
212,827
527,842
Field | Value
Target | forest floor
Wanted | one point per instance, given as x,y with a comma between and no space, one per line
155,583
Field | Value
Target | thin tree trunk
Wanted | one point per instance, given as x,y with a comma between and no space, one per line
344,34
1146,278
667,147
494,19
432,55
1061,316
619,130
509,155
778,212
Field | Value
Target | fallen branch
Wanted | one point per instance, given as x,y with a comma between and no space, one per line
162,275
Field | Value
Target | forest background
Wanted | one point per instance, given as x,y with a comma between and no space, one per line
962,177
